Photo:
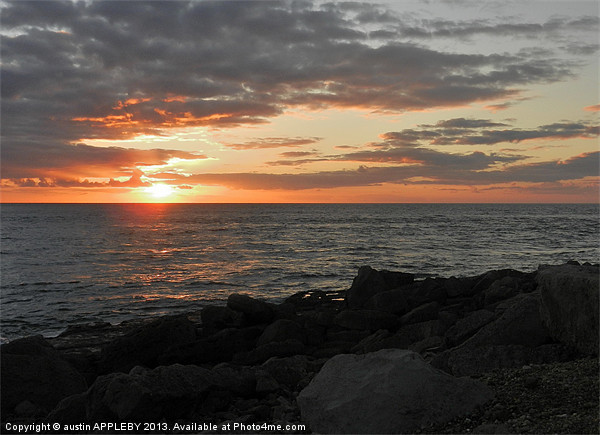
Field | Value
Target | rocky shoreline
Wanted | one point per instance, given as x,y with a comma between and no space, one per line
502,352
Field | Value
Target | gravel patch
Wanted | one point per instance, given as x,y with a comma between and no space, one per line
558,398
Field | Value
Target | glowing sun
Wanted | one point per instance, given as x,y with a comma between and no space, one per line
159,190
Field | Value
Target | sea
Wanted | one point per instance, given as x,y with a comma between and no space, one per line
65,264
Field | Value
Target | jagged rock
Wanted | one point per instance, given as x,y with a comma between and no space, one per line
145,345
219,347
422,313
391,301
501,289
488,278
332,348
319,317
285,310
369,282
278,349
282,330
427,344
518,332
569,307
369,320
216,317
316,299
255,311
390,391
265,384
466,327
423,292
32,370
170,392
381,339
70,410
457,287
447,316
415,332
519,324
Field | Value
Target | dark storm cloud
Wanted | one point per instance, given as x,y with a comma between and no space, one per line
441,28
461,131
113,70
430,158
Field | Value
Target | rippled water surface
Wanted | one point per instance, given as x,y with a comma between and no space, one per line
63,264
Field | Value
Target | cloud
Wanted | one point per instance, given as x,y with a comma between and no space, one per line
442,28
134,181
274,142
71,66
428,158
35,160
575,168
75,71
295,154
461,131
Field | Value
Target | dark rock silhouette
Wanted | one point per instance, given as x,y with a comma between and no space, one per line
33,371
369,282
254,310
249,360
570,305
390,391
143,346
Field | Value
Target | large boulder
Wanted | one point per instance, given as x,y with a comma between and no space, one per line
167,391
282,330
569,305
422,313
369,282
390,391
33,371
216,317
216,348
520,323
145,345
415,332
516,337
423,292
382,339
255,311
488,278
467,326
391,301
271,349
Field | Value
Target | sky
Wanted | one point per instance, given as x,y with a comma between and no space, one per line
275,101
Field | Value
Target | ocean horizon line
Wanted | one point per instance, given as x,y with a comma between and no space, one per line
300,203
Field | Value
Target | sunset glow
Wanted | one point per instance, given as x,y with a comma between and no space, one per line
159,190
399,101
